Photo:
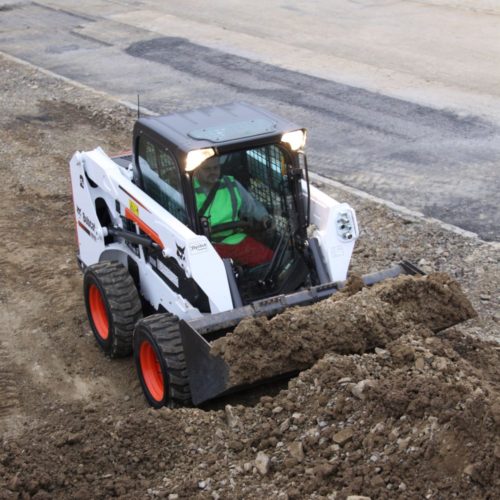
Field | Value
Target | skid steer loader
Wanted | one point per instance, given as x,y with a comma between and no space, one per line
155,241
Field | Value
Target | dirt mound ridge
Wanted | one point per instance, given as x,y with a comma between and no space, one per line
346,324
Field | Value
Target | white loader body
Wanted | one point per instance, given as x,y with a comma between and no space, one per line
98,181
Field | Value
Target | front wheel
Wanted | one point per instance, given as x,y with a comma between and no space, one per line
113,306
160,363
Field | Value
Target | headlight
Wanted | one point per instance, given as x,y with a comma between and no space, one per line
295,139
345,226
197,157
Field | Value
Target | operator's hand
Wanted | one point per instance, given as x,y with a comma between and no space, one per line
268,223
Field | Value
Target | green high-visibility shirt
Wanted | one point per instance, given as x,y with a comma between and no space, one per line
225,207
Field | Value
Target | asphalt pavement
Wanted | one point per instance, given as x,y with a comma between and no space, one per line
442,162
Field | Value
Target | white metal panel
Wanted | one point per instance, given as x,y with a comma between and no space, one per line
88,229
194,253
325,216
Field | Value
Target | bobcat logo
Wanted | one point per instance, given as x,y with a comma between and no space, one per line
180,252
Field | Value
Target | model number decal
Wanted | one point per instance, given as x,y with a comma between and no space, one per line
198,247
86,224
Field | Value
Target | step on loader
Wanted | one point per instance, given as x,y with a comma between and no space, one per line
210,219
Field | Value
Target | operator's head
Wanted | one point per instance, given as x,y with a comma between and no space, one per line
208,172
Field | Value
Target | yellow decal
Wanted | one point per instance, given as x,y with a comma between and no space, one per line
133,207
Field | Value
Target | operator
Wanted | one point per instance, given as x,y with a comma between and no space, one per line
224,200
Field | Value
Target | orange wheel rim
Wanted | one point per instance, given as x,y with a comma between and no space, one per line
151,371
98,312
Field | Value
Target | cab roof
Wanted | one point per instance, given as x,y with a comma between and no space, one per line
218,126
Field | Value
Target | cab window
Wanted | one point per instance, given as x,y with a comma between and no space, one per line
160,177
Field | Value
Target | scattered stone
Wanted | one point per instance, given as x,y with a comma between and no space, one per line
359,389
296,450
439,363
285,425
383,353
231,418
420,364
343,436
344,380
403,443
262,463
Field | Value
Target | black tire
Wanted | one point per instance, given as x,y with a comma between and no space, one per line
160,363
113,307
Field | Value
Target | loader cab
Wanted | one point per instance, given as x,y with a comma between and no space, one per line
247,145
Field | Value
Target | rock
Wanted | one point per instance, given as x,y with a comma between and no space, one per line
403,353
296,450
403,443
235,445
202,485
470,469
495,410
344,380
377,428
231,418
426,266
377,482
285,425
420,364
343,436
14,483
173,496
394,434
324,470
359,390
439,363
262,463
383,353
357,497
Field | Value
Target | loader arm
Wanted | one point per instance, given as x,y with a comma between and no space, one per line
95,177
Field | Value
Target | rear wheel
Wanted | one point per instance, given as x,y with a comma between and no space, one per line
113,306
159,359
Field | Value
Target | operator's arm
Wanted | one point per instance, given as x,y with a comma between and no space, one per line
250,207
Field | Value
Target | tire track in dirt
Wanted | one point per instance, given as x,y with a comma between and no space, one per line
8,387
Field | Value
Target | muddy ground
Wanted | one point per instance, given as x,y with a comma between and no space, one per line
418,418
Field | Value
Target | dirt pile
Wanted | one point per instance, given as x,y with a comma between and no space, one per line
347,323
420,418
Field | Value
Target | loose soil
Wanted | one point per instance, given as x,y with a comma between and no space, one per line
408,411
261,348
